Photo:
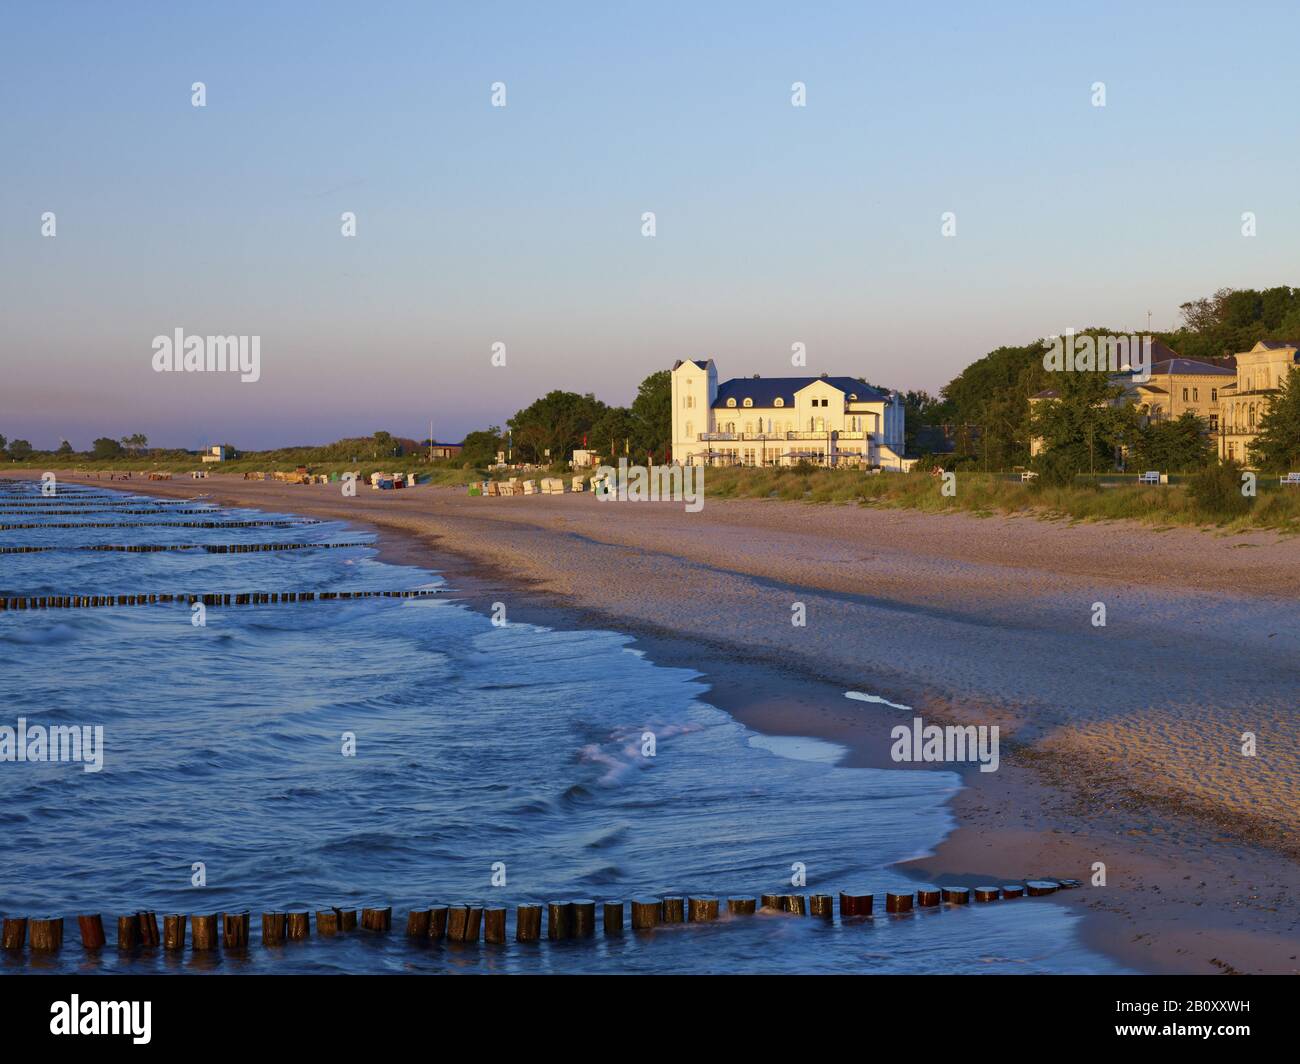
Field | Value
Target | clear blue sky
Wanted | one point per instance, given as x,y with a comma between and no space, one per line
477,224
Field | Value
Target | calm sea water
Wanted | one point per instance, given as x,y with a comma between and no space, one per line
475,746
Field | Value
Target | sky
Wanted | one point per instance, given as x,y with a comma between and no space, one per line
522,225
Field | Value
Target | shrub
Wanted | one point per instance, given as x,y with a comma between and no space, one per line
1216,490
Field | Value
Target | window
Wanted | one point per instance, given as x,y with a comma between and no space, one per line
731,402
1214,422
1214,395
688,401
1184,395
1196,395
690,430
749,428
779,401
749,402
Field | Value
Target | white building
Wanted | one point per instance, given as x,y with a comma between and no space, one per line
831,421
215,453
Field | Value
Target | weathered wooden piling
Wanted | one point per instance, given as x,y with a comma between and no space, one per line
91,926
856,904
584,918
128,931
274,926
674,910
148,923
234,930
528,923
173,931
327,922
927,897
742,906
417,923
898,902
1069,884
613,917
46,934
1012,890
437,922
1038,887
822,905
14,934
377,919
646,913
203,932
956,895
795,903
702,910
297,926
775,902
457,922
986,893
559,920
494,924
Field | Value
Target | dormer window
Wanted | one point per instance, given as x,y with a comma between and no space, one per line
731,402
779,401
749,402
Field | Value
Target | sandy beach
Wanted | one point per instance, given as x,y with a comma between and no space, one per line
1121,745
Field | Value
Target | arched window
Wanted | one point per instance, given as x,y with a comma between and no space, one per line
690,430
689,402
749,402
749,428
778,401
731,402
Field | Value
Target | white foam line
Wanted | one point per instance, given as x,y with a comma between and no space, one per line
873,698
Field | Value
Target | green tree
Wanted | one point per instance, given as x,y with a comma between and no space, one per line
20,450
64,448
480,448
1277,447
615,427
106,448
1084,428
555,422
652,411
1178,446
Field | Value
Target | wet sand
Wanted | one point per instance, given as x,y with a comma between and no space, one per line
1120,744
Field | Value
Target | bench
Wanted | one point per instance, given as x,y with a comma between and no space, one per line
1027,476
1291,479
1150,477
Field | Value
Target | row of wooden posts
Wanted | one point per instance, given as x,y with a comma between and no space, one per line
169,524
211,548
472,923
248,598
112,510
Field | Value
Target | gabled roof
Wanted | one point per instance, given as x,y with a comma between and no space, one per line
764,391
1275,345
700,363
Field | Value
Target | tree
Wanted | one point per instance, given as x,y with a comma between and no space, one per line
1084,427
1178,446
1277,447
555,422
616,429
20,450
64,448
3,443
106,448
384,445
136,442
652,412
480,448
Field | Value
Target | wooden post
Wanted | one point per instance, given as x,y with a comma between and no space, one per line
775,902
377,919
347,919
741,906
273,928
417,923
297,926
203,932
822,905
173,931
956,895
437,922
92,930
646,912
796,903
674,910
1069,884
14,935
47,934
896,902
584,918
702,909
494,924
856,904
613,913
528,923
473,920
1039,887
559,919
234,930
327,922
148,922
928,896
1012,890
986,893
128,932
457,922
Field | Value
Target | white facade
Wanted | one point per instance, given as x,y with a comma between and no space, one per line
830,421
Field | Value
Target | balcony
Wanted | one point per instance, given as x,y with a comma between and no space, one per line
738,437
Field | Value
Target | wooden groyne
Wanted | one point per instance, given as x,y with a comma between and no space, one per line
210,548
106,509
478,922
245,598
169,524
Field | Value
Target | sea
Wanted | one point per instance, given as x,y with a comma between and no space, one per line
408,752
